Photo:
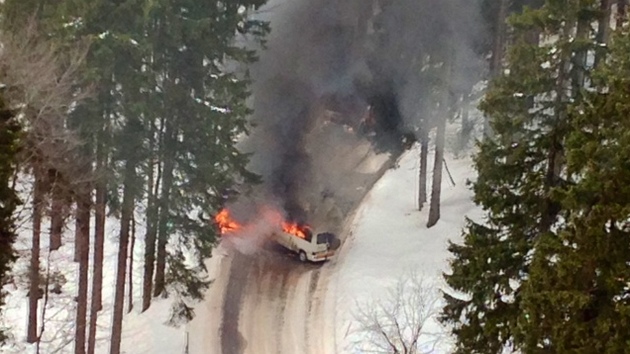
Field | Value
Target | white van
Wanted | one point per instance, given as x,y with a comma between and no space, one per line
314,248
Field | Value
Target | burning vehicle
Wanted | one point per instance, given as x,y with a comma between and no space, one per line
297,238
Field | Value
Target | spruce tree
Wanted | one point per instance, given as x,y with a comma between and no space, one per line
518,168
9,142
196,57
577,297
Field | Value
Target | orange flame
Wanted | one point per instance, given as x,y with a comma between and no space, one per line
226,223
295,229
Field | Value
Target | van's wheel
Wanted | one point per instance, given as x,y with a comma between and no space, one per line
335,243
302,256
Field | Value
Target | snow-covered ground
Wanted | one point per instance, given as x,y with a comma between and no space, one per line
311,310
390,241
142,333
387,239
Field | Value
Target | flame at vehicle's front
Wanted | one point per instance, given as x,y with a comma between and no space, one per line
227,224
295,229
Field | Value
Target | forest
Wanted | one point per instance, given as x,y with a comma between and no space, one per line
121,113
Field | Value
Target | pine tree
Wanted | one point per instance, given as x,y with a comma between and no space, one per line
203,105
576,299
9,142
518,170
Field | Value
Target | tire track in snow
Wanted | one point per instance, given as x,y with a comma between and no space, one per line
269,292
232,342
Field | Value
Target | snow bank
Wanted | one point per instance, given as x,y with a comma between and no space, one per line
390,239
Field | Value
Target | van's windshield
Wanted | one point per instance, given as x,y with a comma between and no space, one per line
324,237
308,234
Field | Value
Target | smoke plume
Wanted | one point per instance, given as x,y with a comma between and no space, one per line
338,87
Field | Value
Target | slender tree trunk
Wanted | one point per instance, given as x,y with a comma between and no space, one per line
56,217
123,246
603,31
99,242
622,6
603,28
77,239
422,178
167,181
467,125
555,157
84,205
498,49
130,272
436,184
160,269
33,294
151,232
46,294
149,246
579,64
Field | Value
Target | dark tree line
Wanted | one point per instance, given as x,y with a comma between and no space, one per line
546,271
136,115
9,145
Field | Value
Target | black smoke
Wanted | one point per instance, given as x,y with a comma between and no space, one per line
346,56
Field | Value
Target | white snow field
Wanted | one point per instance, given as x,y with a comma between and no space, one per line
389,241
386,239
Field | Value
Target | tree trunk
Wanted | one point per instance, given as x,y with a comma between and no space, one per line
160,269
436,184
579,64
46,294
56,217
99,241
84,205
77,240
603,30
167,181
130,272
33,293
498,42
149,247
422,178
151,232
123,245
622,6
555,157
498,49
467,125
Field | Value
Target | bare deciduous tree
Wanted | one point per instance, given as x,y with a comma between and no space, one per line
41,87
397,323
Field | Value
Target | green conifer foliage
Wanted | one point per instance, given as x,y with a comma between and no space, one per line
195,55
578,300
9,142
518,171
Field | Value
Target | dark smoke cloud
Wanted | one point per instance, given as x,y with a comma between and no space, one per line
413,29
324,54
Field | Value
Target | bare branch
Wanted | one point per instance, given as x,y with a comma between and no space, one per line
41,83
396,323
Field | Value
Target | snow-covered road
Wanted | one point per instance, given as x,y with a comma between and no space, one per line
270,303
266,303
